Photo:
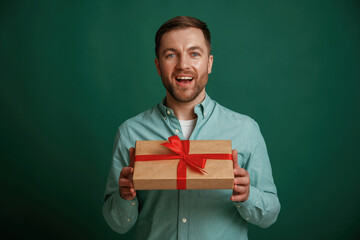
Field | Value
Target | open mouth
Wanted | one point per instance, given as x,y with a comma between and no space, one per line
184,79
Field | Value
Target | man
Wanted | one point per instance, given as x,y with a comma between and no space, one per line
184,60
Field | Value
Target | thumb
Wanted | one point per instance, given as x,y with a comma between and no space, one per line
132,157
235,157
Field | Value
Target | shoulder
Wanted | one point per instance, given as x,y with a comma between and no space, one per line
148,114
237,118
140,119
243,130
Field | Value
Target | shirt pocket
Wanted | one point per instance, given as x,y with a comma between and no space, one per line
217,194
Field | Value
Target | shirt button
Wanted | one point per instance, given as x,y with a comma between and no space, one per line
238,206
176,131
204,113
133,203
247,219
184,220
168,112
128,219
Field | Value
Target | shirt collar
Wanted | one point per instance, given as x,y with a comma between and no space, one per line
204,108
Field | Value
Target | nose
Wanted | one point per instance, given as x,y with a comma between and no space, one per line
183,63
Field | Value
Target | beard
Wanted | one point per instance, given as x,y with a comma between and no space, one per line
187,94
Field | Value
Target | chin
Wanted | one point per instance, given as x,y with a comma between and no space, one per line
184,98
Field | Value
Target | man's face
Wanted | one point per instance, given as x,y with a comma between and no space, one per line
184,64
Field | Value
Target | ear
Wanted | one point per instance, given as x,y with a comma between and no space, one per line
210,63
157,64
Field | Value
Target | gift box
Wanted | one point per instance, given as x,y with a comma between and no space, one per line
175,164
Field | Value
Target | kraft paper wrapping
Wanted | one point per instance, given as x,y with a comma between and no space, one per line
162,174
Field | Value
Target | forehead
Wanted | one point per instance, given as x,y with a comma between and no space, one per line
183,38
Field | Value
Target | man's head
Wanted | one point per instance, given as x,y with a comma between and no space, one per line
182,22
183,58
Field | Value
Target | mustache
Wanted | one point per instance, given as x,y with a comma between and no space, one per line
191,73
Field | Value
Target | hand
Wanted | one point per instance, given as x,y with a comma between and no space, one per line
241,190
126,184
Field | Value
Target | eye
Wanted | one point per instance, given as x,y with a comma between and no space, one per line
195,54
171,55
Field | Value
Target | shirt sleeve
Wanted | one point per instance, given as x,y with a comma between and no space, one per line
120,214
262,207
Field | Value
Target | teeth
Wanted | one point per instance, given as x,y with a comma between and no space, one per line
184,78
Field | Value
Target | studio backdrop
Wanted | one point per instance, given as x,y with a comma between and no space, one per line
73,71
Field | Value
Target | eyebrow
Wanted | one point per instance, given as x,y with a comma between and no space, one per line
169,49
190,49
196,48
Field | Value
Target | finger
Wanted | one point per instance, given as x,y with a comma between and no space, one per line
127,191
132,156
240,189
241,181
126,172
123,182
239,198
235,157
240,172
237,170
129,197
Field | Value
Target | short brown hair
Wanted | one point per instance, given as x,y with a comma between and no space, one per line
179,23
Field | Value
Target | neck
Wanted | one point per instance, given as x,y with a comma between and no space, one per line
184,110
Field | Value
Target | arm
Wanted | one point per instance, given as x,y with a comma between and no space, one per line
120,209
255,194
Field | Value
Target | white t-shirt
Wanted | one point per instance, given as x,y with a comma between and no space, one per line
187,127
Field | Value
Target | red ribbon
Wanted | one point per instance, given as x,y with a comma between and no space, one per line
195,161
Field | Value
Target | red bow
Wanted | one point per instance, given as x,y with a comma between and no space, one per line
195,161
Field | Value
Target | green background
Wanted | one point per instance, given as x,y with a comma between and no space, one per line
73,71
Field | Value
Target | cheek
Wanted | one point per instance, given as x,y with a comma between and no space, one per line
166,69
201,67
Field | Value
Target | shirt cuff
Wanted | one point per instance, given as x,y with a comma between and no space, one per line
245,207
123,201
128,208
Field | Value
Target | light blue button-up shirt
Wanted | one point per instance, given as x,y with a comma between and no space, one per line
193,214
